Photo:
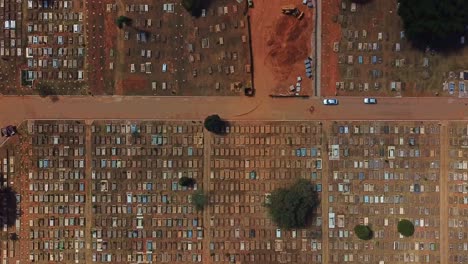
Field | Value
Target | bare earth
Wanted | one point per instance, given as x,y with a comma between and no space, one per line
15,109
280,44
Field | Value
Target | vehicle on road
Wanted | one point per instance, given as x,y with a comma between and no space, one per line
370,100
331,101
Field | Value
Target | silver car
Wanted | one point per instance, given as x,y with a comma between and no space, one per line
331,101
370,100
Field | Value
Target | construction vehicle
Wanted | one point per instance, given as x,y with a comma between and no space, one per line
291,10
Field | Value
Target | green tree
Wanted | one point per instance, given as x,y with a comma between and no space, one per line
199,200
186,181
215,124
363,232
292,207
406,227
123,20
435,23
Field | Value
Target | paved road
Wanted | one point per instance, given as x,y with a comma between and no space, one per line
15,109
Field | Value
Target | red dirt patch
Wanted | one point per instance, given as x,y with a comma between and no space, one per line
284,45
134,86
280,43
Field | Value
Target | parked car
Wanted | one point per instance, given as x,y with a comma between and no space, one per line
8,131
331,101
370,100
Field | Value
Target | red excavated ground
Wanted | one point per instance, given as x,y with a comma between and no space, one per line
283,45
331,32
280,44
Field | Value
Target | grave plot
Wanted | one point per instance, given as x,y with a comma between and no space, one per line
140,211
457,190
380,173
11,47
166,51
54,47
247,164
372,56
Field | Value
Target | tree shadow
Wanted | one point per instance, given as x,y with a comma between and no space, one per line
48,91
447,46
202,4
223,130
8,206
311,220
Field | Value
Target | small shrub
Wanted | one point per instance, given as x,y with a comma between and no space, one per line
215,124
363,232
406,228
199,200
123,20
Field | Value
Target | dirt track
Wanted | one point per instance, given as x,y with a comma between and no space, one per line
101,33
280,46
331,32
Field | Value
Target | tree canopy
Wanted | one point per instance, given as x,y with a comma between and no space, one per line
435,23
215,124
292,207
363,232
405,227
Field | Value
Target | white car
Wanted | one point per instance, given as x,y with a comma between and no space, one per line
370,100
332,101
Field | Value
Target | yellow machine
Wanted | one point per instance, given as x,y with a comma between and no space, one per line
291,10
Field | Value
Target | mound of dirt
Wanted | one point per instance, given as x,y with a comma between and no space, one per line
287,43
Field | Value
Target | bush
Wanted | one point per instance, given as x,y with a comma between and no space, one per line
186,181
215,124
292,207
435,23
199,200
406,228
363,232
123,20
